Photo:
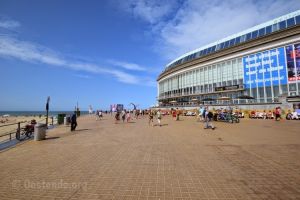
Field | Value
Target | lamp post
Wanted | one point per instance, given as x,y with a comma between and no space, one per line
47,109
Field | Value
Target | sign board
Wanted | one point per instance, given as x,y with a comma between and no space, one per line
265,68
224,88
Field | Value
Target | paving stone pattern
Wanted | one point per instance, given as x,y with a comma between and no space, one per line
255,159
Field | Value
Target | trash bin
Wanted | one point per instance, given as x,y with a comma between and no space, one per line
67,120
60,118
40,132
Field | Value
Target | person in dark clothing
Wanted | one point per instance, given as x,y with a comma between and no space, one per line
73,121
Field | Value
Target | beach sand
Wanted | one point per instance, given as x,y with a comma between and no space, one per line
10,124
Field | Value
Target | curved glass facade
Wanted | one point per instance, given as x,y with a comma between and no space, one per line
264,71
279,24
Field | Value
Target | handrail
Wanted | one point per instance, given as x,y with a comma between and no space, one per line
13,124
18,129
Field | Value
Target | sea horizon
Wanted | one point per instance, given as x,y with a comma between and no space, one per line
37,113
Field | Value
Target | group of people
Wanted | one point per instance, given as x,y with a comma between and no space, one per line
205,115
152,114
277,113
124,115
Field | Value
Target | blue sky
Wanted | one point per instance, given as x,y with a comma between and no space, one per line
105,52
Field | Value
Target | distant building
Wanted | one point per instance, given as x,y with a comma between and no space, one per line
260,65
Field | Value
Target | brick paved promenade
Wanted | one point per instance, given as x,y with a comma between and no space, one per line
255,159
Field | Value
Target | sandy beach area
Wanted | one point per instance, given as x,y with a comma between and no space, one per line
9,124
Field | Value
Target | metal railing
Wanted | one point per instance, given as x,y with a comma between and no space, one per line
16,130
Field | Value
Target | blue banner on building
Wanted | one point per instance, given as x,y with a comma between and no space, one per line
262,69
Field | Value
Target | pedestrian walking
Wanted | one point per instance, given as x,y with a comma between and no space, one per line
151,114
73,121
177,114
97,115
128,116
208,120
159,116
100,114
123,115
117,117
201,109
277,114
174,114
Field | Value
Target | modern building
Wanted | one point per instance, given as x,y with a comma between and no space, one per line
260,65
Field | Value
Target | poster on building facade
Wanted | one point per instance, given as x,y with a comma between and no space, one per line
293,62
297,59
265,68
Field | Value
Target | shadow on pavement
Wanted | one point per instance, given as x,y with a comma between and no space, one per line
162,125
51,138
85,129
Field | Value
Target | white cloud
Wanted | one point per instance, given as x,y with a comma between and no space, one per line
82,76
196,23
151,11
126,65
201,22
27,51
9,24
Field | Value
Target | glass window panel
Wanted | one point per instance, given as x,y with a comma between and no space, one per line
237,40
254,34
226,44
290,22
204,52
231,42
298,19
248,36
222,45
208,50
284,89
268,29
275,27
213,48
243,38
282,25
261,32
261,93
292,87
210,88
276,91
254,93
240,81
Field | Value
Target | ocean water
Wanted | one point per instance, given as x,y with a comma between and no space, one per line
37,113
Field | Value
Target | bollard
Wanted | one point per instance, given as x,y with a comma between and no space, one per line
18,131
52,121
